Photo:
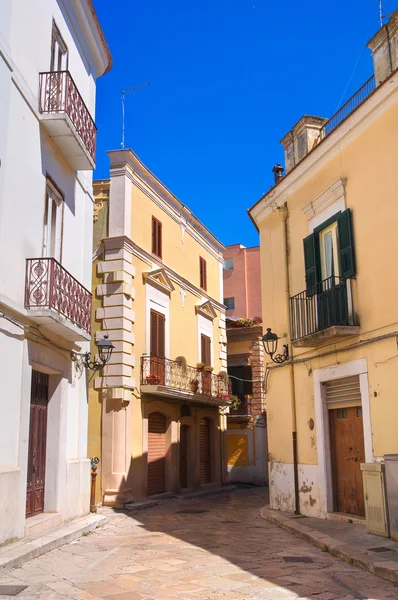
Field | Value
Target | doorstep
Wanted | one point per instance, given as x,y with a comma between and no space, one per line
348,541
205,490
16,553
41,523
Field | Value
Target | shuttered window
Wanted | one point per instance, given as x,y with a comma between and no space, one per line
203,273
156,237
205,350
342,393
313,271
157,334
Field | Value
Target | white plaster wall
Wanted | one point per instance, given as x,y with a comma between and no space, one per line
281,486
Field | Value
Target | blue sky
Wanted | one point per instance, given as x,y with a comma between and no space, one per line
227,80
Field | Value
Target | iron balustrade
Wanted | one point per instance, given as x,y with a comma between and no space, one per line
59,94
360,96
328,303
50,286
156,370
244,409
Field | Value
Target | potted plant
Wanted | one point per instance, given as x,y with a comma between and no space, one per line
223,375
209,369
235,402
182,363
200,366
152,379
194,385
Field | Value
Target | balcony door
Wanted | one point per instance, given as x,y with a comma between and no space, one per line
157,340
206,360
59,52
332,299
53,217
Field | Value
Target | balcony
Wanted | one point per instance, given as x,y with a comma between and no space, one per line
323,312
56,300
67,119
170,379
244,411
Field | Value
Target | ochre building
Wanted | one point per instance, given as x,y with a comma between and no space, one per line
157,409
328,233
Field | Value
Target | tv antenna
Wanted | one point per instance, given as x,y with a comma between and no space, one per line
381,12
124,92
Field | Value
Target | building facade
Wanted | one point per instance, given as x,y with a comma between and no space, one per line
327,229
247,454
242,285
156,418
50,57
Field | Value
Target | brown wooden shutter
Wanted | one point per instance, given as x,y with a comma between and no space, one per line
206,350
156,237
205,464
203,273
156,453
157,334
161,335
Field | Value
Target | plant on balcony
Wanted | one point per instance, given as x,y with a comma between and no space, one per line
209,369
182,363
194,385
200,366
223,375
235,402
152,379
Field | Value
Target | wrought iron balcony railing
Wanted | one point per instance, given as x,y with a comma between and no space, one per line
50,286
59,94
161,371
325,305
244,409
360,96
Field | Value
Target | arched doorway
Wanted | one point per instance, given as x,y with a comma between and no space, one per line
156,453
205,451
184,450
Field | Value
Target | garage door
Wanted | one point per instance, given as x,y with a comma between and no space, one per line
156,453
205,467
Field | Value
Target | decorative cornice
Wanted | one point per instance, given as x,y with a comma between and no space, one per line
159,279
325,199
206,310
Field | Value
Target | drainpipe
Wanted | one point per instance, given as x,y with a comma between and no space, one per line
283,213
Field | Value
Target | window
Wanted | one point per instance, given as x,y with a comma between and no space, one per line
228,264
241,380
229,303
157,334
203,273
329,252
53,215
205,350
59,52
156,237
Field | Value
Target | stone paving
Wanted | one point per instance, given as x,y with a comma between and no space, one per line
215,548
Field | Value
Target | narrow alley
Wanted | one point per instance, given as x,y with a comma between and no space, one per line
206,549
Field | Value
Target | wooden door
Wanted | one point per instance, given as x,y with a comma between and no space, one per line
184,434
157,338
348,452
156,454
37,444
206,359
205,454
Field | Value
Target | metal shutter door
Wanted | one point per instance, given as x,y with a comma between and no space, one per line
342,393
156,453
205,471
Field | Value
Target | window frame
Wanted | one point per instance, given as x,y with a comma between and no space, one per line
202,273
157,237
63,54
226,304
231,261
53,237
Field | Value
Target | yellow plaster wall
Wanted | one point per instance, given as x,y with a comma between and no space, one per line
181,257
239,347
237,450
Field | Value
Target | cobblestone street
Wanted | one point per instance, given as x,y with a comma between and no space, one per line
212,548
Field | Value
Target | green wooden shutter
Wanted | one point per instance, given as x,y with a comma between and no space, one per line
347,258
311,260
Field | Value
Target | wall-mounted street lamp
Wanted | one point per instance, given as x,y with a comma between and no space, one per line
270,343
105,348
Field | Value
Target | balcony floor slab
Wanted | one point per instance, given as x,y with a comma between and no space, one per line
334,333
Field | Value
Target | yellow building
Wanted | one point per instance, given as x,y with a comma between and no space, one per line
156,419
328,236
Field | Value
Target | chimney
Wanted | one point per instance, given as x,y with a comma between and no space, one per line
278,173
384,47
306,133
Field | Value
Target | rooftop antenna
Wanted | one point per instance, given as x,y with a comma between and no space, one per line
124,92
381,12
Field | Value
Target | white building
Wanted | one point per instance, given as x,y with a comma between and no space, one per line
51,53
